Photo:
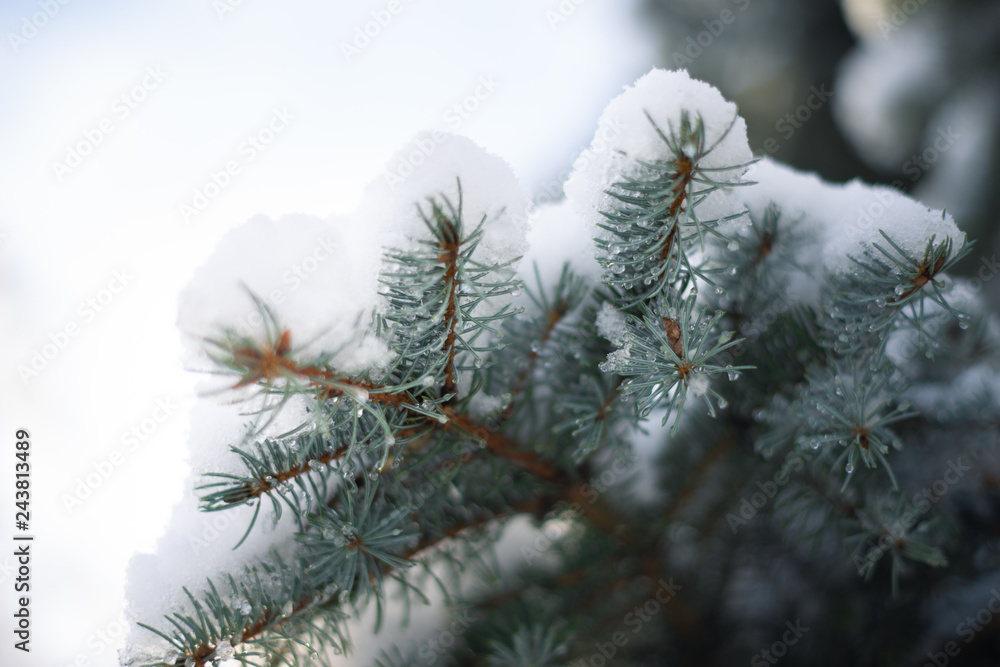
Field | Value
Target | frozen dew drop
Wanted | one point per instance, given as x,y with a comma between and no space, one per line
723,403
962,324
733,373
733,246
814,445
478,363
618,269
719,290
732,270
880,302
899,290
849,468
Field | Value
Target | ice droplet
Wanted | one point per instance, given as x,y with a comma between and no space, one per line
733,373
814,445
224,650
733,246
899,290
618,269
849,468
880,302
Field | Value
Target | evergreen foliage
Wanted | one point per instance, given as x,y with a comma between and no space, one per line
791,484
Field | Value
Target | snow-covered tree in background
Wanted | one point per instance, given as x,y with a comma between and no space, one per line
760,426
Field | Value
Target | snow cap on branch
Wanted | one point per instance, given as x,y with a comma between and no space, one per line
625,135
439,163
848,217
290,264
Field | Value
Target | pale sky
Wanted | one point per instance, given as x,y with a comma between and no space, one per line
115,116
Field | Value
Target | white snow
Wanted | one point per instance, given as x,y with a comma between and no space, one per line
320,279
489,190
611,323
558,235
698,383
198,544
625,135
848,216
318,276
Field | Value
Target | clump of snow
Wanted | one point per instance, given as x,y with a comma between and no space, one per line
483,405
698,383
848,217
320,279
618,359
196,544
611,324
973,394
558,235
625,136
489,190
318,276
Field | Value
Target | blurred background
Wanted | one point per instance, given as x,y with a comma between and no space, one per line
134,135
